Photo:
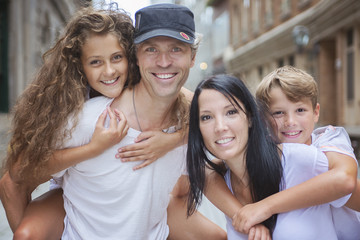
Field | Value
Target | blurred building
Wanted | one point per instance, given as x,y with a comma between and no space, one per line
27,29
319,36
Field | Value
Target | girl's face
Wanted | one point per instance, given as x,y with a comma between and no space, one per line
105,64
224,127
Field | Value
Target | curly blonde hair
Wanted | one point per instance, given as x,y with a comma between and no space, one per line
60,88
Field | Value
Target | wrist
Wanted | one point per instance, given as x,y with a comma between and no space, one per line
93,149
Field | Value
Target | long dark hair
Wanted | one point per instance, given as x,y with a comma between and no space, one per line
263,163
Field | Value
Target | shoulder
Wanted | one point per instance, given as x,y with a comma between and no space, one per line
302,153
289,149
329,133
303,158
333,139
98,101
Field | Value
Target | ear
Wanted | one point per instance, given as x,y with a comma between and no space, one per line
317,113
193,60
250,122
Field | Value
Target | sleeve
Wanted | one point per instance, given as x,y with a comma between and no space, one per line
318,169
85,126
305,162
333,139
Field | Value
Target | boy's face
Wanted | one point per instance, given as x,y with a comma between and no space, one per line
294,121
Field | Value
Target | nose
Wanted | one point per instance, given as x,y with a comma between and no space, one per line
289,120
164,59
220,125
109,69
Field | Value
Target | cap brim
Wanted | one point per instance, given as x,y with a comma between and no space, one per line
166,33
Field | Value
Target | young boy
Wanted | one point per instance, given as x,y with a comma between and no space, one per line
290,95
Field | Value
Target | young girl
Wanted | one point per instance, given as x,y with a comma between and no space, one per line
225,121
96,51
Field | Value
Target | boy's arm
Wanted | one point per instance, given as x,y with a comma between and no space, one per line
354,201
338,182
219,194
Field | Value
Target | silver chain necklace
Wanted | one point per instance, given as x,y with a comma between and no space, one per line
137,119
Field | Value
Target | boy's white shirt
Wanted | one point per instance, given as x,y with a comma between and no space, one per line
336,139
300,163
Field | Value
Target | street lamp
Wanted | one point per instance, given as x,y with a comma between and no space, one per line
301,37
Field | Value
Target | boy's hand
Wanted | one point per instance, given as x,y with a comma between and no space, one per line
250,215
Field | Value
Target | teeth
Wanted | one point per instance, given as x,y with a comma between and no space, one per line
222,141
292,133
110,81
165,76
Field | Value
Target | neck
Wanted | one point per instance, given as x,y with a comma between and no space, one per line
238,169
151,112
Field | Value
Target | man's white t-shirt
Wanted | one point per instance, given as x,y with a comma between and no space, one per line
105,198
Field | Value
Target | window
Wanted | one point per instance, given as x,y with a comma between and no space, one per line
350,65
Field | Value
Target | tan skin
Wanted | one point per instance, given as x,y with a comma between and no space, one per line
53,200
341,177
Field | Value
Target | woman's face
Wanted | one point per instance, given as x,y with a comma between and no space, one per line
105,64
224,127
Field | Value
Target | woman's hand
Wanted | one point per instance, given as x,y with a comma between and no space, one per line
104,138
148,147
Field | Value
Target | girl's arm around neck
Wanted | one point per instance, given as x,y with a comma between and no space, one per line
102,139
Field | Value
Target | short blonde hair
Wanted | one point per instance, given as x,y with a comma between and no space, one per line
295,83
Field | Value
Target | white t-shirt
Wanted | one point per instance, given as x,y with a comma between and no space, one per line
336,139
105,199
300,163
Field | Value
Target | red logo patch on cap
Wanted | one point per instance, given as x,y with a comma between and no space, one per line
185,36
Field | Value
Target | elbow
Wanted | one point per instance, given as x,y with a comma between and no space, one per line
346,182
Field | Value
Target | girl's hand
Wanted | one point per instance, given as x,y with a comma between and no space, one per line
259,232
104,138
148,147
249,216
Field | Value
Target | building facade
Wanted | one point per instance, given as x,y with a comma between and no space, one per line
319,36
27,29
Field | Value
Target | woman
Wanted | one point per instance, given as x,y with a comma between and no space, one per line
225,122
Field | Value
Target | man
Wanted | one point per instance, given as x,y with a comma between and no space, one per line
165,37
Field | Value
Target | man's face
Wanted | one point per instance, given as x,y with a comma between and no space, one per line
164,65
